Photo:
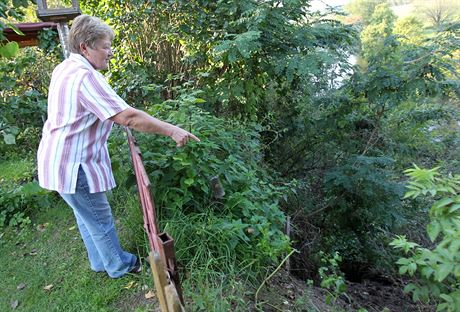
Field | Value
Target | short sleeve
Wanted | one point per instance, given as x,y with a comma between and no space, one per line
98,97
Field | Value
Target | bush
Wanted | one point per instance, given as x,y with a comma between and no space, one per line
437,268
239,221
365,201
23,100
20,194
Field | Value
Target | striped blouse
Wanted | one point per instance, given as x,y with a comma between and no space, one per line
80,103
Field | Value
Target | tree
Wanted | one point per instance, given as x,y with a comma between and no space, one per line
380,27
410,28
438,12
362,8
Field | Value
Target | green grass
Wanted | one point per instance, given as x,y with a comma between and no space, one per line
51,252
16,170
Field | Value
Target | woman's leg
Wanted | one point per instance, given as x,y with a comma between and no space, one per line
95,221
95,259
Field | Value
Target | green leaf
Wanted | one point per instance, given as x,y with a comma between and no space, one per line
412,194
411,268
409,288
443,271
14,28
403,269
454,207
457,271
9,138
426,272
447,298
442,307
189,181
444,202
433,230
9,50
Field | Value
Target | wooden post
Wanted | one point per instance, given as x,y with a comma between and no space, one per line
166,293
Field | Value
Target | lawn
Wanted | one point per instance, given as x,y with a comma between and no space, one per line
44,267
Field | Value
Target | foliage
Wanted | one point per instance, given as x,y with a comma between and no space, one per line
364,201
148,62
352,141
23,94
362,8
241,54
23,86
437,268
410,29
48,42
331,277
19,194
246,223
10,10
380,27
277,93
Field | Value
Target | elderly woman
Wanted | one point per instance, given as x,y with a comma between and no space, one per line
73,158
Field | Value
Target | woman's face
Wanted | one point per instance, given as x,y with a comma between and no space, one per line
100,55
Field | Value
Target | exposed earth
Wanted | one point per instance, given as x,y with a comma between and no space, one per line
284,292
292,294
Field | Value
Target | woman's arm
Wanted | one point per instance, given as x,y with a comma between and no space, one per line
141,121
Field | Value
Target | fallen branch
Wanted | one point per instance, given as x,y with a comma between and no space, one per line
271,275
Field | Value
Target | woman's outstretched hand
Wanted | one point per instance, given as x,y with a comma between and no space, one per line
181,137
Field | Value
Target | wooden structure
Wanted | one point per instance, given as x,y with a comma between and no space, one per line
61,16
30,31
162,256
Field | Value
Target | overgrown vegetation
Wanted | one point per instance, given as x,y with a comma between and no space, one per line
311,115
438,266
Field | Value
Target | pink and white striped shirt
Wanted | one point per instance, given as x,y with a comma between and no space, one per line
80,103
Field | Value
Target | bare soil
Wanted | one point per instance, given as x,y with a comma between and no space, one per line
285,292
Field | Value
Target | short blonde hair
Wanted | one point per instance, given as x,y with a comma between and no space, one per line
87,29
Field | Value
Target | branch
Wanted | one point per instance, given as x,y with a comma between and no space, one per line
273,273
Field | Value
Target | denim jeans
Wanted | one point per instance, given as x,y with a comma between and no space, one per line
97,229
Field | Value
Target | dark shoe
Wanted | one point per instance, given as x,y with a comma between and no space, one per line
137,268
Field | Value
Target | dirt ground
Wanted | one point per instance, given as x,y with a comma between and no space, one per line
284,292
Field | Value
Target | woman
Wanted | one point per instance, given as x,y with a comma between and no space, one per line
73,158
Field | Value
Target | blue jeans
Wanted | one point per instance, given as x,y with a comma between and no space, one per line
95,222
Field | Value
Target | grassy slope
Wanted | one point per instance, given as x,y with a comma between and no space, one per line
60,260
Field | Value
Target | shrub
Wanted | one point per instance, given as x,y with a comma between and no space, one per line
437,268
19,193
23,99
243,224
365,201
